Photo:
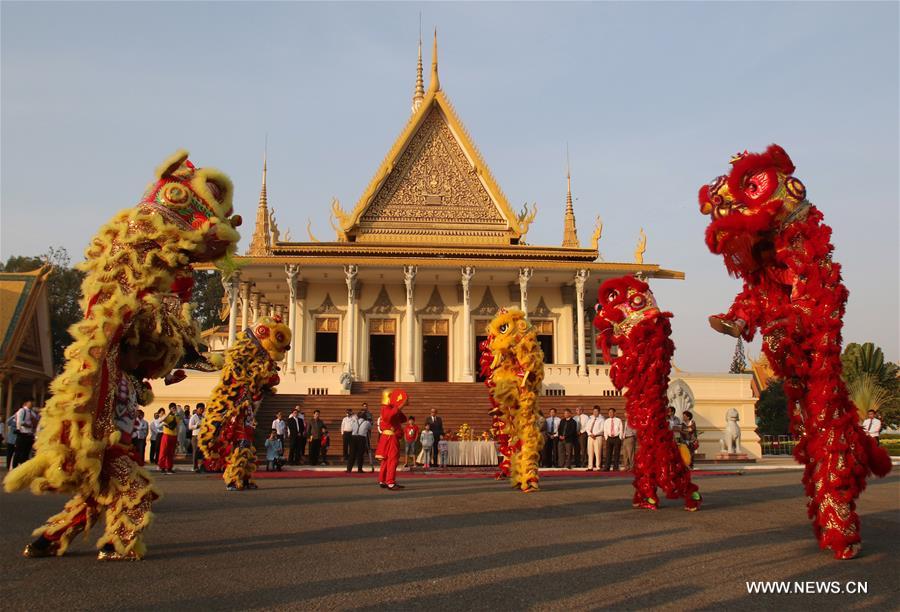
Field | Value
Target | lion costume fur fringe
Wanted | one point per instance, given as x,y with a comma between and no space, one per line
250,370
132,267
512,363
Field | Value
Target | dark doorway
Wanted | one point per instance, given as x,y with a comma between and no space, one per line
326,347
381,357
478,341
547,346
435,358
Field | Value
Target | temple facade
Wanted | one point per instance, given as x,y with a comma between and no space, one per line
417,268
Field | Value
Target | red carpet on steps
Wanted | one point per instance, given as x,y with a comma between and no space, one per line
485,474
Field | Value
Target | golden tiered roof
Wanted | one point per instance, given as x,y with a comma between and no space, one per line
433,201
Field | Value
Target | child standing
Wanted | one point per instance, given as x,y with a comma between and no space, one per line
443,451
273,452
410,436
427,440
323,445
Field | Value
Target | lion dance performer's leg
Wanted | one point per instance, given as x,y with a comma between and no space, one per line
127,499
53,538
529,443
241,465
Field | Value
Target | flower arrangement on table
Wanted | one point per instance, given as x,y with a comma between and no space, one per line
465,433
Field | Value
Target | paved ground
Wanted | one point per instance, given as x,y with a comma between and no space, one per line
343,543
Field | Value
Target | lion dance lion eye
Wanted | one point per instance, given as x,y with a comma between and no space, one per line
637,301
504,328
612,296
279,337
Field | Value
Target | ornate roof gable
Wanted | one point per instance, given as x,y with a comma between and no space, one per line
433,186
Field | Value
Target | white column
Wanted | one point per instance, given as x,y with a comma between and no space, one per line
245,304
232,285
468,340
350,274
292,270
524,276
301,351
580,279
409,278
254,306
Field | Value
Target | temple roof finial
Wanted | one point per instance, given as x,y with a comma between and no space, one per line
435,83
570,232
419,93
261,242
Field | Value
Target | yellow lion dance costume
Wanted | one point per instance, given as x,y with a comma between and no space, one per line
137,326
250,369
512,363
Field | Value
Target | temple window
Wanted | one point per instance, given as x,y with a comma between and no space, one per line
544,330
327,332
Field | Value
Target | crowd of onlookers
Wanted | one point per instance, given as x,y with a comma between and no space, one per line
593,441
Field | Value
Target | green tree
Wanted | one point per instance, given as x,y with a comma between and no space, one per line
772,410
739,360
207,298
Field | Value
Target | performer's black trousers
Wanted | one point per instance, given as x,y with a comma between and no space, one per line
613,450
24,442
358,446
314,445
345,439
294,453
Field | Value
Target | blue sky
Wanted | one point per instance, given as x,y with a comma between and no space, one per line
652,99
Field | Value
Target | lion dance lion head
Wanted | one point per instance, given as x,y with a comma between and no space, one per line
747,204
623,303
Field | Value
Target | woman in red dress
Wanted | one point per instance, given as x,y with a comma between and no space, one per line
388,451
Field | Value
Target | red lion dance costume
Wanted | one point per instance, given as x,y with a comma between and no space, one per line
388,450
628,317
137,326
774,239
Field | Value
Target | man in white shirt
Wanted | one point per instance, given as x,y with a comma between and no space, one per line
297,431
674,424
26,425
594,432
581,420
613,432
359,441
552,439
156,435
194,425
347,432
872,426
628,446
139,437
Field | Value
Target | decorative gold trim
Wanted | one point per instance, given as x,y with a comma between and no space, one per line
351,222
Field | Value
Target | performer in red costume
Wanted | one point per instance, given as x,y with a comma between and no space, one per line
628,317
388,450
774,239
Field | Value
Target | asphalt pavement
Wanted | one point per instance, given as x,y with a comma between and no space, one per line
458,544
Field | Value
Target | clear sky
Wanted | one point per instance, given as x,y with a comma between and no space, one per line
652,99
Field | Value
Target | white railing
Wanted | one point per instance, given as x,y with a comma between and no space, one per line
563,379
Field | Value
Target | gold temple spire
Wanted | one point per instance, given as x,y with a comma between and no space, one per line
419,93
434,84
570,232
261,242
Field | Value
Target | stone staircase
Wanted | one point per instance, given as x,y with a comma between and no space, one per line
456,403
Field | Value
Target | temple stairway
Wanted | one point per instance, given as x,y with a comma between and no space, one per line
456,403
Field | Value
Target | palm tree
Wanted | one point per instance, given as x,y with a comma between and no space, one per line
867,394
